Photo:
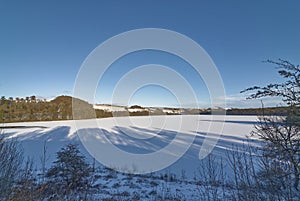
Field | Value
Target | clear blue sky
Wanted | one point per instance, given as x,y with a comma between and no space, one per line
43,43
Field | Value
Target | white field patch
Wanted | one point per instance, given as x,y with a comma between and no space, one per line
110,108
172,111
138,110
138,135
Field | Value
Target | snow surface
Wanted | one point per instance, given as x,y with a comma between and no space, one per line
139,135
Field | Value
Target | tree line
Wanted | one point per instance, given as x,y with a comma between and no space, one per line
33,109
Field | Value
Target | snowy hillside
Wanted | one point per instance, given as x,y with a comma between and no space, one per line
109,108
150,110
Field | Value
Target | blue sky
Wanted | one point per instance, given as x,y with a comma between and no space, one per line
44,43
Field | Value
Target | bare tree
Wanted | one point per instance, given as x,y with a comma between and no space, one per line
25,186
43,159
11,158
282,134
212,179
242,163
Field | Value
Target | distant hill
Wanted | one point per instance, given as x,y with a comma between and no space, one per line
60,108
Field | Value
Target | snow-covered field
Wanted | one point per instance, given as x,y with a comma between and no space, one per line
140,135
110,108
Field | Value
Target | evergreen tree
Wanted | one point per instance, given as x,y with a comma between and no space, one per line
70,173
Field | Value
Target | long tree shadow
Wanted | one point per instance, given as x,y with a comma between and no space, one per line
123,138
33,142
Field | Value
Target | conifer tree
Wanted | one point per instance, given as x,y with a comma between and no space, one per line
70,173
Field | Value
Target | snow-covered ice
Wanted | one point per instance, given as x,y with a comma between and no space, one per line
139,135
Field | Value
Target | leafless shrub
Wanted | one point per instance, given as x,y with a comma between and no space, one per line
212,179
11,158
